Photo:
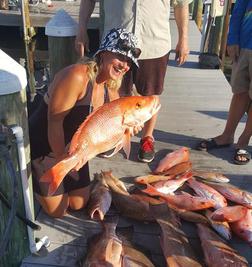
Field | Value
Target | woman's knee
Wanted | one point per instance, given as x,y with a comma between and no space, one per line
78,198
54,206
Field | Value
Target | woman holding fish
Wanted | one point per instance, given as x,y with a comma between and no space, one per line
74,91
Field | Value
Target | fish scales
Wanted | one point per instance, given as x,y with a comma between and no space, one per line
106,120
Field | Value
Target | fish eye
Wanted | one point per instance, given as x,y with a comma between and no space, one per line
138,105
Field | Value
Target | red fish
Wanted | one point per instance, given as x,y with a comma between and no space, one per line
182,201
172,159
208,192
148,179
178,168
233,193
243,227
168,187
222,228
108,127
186,201
210,176
229,214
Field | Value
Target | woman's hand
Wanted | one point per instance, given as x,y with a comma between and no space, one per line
136,130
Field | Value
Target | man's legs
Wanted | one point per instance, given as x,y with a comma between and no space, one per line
238,106
149,80
240,82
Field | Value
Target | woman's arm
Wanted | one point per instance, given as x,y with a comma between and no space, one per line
67,87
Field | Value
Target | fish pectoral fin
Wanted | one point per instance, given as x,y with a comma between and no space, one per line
126,142
108,250
113,247
117,148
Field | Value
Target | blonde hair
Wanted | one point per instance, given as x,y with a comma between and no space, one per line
93,70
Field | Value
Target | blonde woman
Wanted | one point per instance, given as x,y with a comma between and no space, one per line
74,92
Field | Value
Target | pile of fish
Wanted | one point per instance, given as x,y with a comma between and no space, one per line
175,191
215,206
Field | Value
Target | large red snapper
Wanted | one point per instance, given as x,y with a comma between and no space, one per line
108,127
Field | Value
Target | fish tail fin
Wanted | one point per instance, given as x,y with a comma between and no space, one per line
56,174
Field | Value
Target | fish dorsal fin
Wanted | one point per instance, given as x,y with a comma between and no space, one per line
126,142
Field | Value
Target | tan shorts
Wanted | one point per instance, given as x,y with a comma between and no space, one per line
241,78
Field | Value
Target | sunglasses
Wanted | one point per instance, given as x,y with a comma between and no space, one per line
124,45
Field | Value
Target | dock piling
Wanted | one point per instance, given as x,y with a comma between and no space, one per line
61,31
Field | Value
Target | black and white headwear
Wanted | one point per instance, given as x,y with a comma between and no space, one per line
121,41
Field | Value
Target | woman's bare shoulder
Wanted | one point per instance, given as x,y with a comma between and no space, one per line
73,76
76,70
